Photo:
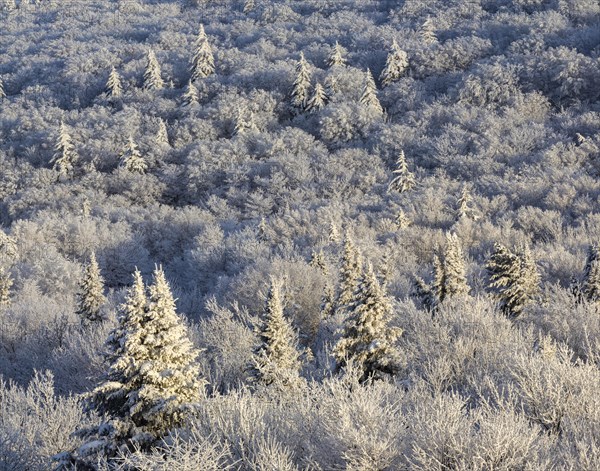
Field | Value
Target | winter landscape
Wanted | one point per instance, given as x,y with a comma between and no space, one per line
299,235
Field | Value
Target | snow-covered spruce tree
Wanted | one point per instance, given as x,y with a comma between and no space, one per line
162,134
6,283
449,278
336,56
367,340
402,220
463,205
328,301
454,268
369,94
301,85
152,75
427,32
319,99
514,278
438,286
276,359
395,65
590,286
114,87
244,122
2,92
153,376
350,272
191,95
404,179
131,158
90,296
334,233
317,260
65,156
203,61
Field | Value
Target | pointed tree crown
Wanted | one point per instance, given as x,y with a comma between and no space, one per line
65,156
404,179
367,339
336,56
131,158
203,61
152,75
90,296
114,88
369,94
301,87
395,65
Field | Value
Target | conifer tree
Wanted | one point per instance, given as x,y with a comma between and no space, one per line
301,85
454,268
317,260
114,88
590,287
424,293
328,301
402,220
191,96
65,156
244,122
514,277
276,360
449,278
395,65
2,92
367,339
261,230
463,205
203,61
334,233
162,135
438,287
404,179
131,158
319,99
152,74
90,296
6,283
336,56
153,375
427,32
350,272
369,94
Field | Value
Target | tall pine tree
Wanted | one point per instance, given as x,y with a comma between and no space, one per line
90,296
319,99
203,61
395,65
369,95
153,375
2,92
404,179
152,75
131,158
514,278
276,359
350,272
114,87
367,339
336,56
301,87
590,287
65,156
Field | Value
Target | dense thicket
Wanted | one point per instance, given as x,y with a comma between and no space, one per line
342,149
